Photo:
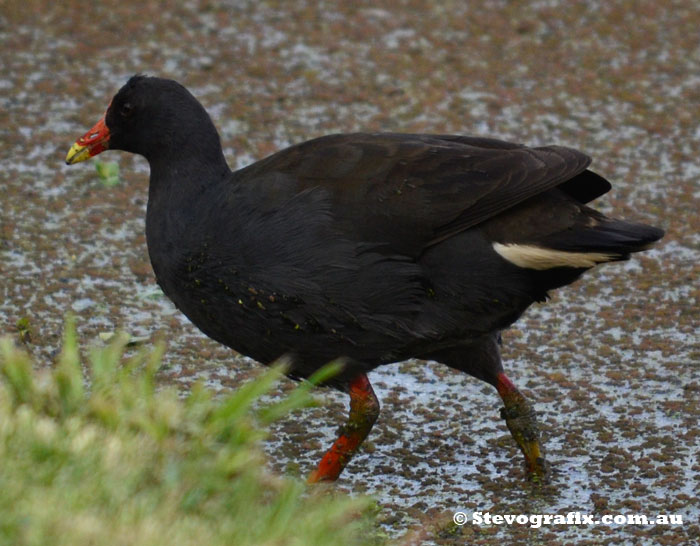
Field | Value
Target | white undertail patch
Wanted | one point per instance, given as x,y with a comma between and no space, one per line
535,257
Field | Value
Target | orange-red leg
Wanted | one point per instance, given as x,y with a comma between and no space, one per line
522,423
364,410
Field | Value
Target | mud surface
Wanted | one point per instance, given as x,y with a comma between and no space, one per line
611,363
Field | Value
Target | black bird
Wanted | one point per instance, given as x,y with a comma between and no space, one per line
370,248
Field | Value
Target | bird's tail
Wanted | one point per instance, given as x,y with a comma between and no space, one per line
615,237
583,247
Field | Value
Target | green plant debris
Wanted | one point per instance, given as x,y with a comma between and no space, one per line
24,329
131,341
117,461
108,172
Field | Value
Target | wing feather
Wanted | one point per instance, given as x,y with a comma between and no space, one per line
409,192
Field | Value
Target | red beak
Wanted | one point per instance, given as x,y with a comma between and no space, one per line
95,141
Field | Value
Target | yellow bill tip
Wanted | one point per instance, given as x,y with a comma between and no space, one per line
77,153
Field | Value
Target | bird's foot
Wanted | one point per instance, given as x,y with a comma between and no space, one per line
522,424
521,421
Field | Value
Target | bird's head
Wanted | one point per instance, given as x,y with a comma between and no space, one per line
151,117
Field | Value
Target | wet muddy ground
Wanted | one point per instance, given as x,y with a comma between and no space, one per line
612,363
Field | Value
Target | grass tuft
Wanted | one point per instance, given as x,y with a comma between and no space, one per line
113,460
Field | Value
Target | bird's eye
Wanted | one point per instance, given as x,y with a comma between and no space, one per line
126,109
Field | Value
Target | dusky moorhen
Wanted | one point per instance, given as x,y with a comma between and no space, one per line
370,248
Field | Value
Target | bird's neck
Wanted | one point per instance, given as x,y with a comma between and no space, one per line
182,174
179,187
187,160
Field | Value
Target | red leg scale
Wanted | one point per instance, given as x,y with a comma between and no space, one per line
364,410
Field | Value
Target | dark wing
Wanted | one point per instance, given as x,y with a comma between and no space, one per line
410,191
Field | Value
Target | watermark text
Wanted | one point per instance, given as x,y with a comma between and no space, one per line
572,518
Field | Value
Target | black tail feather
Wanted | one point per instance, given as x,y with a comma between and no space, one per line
585,186
609,236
